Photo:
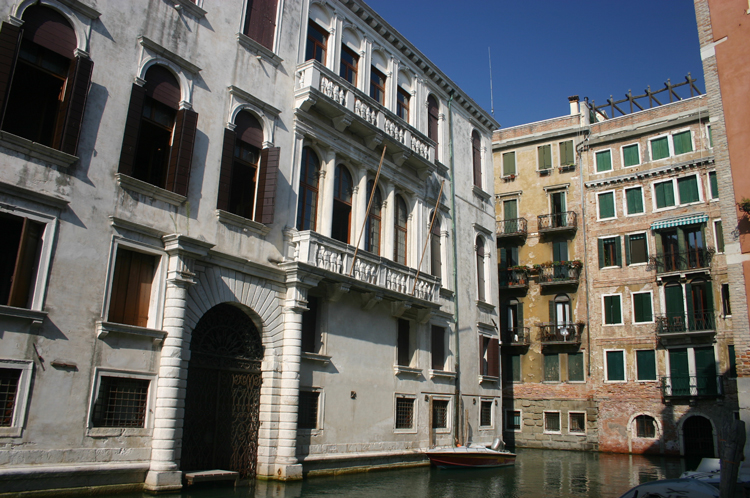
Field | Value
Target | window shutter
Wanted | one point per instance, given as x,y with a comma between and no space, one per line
132,126
513,257
689,302
225,174
482,369
646,364
267,180
669,193
659,148
476,146
566,153
714,185
607,309
552,318
615,367
77,92
131,288
181,156
616,309
510,210
709,297
630,155
26,259
519,314
504,317
509,163
688,189
618,251
493,358
638,307
309,325
601,253
719,236
606,205
503,258
603,161
627,249
10,38
260,22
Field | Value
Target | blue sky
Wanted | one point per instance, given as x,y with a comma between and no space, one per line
544,51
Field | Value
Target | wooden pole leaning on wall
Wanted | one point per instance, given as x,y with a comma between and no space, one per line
367,213
429,237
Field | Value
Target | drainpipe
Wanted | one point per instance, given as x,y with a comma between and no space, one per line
457,425
579,150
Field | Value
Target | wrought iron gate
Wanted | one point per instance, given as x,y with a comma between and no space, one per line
223,393
698,437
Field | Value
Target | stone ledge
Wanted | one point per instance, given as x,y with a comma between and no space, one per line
103,329
36,150
129,183
35,317
258,49
245,224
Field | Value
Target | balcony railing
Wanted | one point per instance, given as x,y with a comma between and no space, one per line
685,323
513,279
336,258
692,386
694,259
561,333
559,275
567,220
516,227
517,336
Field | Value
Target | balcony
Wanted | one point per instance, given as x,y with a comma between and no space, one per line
563,333
679,262
372,274
511,228
692,386
349,108
513,279
684,326
559,274
517,336
566,221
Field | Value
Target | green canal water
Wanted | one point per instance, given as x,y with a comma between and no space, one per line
537,473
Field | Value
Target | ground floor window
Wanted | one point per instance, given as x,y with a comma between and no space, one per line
121,402
551,421
308,410
577,422
485,413
440,414
645,426
9,382
513,420
404,413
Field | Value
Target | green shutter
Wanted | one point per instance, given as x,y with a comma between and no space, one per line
642,307
509,163
705,370
560,250
664,194
714,183
710,137
601,253
616,309
675,306
659,148
646,364
510,209
634,198
519,314
515,361
732,372
551,367
618,251
566,153
503,258
552,318
615,365
630,155
688,189
683,142
575,367
603,161
545,156
719,236
606,205
627,249
679,372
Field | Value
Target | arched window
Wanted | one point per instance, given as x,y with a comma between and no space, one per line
45,100
433,117
372,235
307,207
239,167
402,104
559,312
342,204
317,43
476,155
645,426
480,268
435,249
401,216
260,22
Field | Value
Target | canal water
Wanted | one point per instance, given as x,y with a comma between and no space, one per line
537,473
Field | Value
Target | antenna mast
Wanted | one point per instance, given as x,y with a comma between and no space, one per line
492,100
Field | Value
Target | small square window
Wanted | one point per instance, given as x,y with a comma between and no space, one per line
513,420
485,416
612,310
551,421
307,417
577,423
630,155
121,402
404,413
659,148
615,366
603,161
646,364
439,413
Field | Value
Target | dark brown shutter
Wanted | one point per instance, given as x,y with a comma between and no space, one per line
476,152
10,38
493,359
225,174
162,86
131,288
132,126
26,264
178,174
260,21
50,29
267,179
249,129
76,93
433,117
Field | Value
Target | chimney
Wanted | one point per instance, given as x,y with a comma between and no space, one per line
574,110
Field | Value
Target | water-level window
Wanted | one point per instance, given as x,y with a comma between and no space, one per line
121,402
485,414
551,421
440,414
9,382
645,426
577,423
404,413
513,420
307,417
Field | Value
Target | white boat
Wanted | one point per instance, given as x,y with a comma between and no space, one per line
709,471
472,456
673,488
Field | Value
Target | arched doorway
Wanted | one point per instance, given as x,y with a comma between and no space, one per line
223,393
698,438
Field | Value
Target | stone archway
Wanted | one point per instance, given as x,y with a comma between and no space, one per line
222,400
698,437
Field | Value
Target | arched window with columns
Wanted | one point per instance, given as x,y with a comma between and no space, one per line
239,165
401,216
307,206
342,204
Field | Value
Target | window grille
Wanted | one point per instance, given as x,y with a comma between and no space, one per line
9,379
485,415
121,402
308,410
552,422
404,413
513,420
577,423
440,414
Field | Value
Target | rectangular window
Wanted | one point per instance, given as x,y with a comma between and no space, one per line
439,413
349,64
485,415
575,367
545,156
404,413
131,287
646,364
317,41
438,348
310,338
551,367
615,366
609,252
636,247
377,85
683,142
645,426
642,309
606,205
490,359
664,193
732,372
514,367
725,305
612,310
9,388
121,402
713,183
710,136
603,161
659,148
719,234
307,417
634,200
688,189
509,163
403,343
567,157
630,155
402,104
551,421
260,21
19,254
512,420
577,423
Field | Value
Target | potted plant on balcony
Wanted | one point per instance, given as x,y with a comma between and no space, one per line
518,274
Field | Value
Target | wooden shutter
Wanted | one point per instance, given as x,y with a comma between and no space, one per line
714,183
476,149
601,253
76,93
26,263
132,127
260,21
181,155
268,175
10,39
438,348
646,364
618,251
225,173
552,311
131,288
509,163
493,358
402,343
615,365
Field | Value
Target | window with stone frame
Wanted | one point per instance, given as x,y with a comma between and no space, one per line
615,366
317,43
377,85
567,153
645,426
642,307
485,413
544,157
437,347
552,422
636,249
311,340
481,281
634,200
682,142
664,194
10,379
512,420
713,184
121,402
576,372
404,412
404,350
440,413
343,188
489,359
645,360
401,231
260,21
659,148
577,422
609,252
307,206
612,309
606,204
631,155
603,161
19,259
476,155
373,225
551,367
132,281
307,415
349,64
402,104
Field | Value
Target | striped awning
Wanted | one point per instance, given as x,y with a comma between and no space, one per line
682,220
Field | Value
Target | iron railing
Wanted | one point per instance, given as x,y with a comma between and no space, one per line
561,274
561,333
567,220
513,278
692,386
681,323
516,336
692,259
516,227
